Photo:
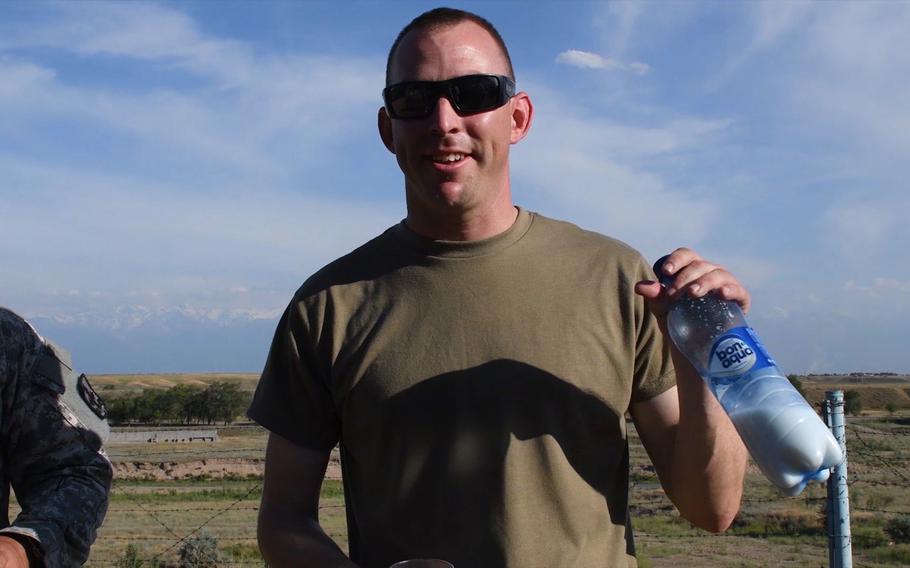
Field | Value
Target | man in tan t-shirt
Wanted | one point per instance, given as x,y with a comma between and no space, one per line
475,362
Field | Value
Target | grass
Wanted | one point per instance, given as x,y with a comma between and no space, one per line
139,512
770,531
897,555
214,494
242,552
788,524
332,489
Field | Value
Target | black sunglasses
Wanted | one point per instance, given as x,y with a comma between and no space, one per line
469,94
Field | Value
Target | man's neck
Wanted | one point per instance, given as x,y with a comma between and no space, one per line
471,226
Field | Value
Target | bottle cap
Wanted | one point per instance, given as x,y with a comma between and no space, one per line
664,279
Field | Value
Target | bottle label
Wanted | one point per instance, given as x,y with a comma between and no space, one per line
737,352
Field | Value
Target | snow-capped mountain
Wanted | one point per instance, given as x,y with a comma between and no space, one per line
138,338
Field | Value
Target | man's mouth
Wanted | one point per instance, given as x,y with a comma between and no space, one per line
448,158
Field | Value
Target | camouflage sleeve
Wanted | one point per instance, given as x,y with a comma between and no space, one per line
51,447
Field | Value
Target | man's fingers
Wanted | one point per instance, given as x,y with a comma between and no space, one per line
649,289
679,258
736,293
698,277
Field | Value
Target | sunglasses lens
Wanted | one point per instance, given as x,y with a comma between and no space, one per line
408,100
476,93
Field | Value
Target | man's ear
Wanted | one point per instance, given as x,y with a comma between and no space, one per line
385,129
522,113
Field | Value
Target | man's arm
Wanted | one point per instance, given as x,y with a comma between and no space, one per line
12,553
694,447
52,458
289,532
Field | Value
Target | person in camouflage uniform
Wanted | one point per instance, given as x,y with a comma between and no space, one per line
52,427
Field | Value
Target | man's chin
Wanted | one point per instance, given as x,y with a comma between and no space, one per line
452,193
449,193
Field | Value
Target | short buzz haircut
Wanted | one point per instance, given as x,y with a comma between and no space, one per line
441,18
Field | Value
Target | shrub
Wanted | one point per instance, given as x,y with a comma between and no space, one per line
200,551
867,537
131,558
853,403
898,529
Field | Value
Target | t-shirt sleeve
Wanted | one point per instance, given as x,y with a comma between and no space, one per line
293,398
654,373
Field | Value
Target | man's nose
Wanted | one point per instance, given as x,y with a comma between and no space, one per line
444,117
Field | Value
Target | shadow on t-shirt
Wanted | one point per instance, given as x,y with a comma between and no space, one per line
452,477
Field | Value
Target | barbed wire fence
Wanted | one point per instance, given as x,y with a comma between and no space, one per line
878,486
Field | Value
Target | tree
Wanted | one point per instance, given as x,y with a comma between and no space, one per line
797,384
152,406
183,396
121,410
226,401
220,401
853,403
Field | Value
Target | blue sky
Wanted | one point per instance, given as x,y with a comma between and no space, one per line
171,172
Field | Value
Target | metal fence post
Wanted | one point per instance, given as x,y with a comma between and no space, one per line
840,550
830,487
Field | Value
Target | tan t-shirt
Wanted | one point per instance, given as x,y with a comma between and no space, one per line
478,391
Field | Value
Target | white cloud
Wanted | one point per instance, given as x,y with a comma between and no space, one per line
588,60
825,90
640,68
854,75
890,289
606,175
135,30
859,225
168,239
778,313
772,20
208,208
246,110
862,230
622,18
630,26
22,79
841,70
766,26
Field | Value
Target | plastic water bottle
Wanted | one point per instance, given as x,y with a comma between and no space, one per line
785,436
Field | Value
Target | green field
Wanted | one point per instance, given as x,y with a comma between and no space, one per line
209,488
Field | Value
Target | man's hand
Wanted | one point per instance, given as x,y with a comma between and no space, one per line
12,554
692,275
699,457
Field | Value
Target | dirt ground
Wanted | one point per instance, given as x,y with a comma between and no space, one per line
215,468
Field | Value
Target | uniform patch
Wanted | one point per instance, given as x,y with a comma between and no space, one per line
91,398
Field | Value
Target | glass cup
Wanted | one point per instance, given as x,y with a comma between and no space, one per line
423,563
